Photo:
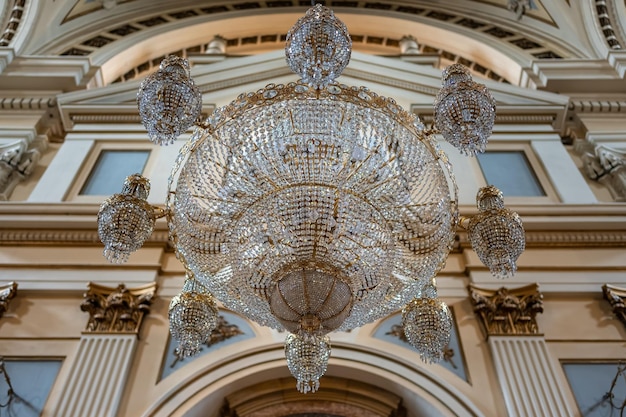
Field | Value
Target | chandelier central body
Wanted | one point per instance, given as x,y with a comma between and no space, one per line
336,183
312,206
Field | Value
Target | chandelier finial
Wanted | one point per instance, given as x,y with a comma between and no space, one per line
427,324
169,101
318,46
307,359
193,315
496,233
465,111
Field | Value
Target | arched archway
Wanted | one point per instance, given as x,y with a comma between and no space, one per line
201,391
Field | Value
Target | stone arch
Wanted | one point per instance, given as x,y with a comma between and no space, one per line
120,56
205,386
122,41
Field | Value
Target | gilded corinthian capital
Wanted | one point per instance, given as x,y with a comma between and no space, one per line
116,309
507,311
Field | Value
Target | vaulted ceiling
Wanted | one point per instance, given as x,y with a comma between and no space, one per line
495,37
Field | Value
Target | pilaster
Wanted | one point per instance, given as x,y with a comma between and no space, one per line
98,374
529,378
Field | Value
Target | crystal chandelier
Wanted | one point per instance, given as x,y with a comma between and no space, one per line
313,206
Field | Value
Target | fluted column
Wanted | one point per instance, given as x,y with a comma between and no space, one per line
528,376
99,371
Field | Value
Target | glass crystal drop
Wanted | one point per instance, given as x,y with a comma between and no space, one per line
307,359
318,47
496,233
126,220
193,315
427,326
465,111
169,102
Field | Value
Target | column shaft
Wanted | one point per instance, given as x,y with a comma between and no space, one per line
98,376
528,377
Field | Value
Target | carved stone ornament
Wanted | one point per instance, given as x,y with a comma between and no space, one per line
604,164
507,312
116,310
617,298
519,7
17,162
7,292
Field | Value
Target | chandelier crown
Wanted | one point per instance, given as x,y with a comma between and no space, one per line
318,47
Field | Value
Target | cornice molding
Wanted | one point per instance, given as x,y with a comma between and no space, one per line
534,239
599,225
63,237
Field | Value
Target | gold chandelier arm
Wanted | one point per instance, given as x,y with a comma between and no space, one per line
159,212
464,222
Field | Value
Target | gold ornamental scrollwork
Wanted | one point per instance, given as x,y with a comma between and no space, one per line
617,298
116,309
7,293
506,312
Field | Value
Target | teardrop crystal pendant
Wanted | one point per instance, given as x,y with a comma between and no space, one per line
126,220
427,325
307,359
169,101
193,315
465,111
496,233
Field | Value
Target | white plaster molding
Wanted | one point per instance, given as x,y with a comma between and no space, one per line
47,73
582,281
605,164
56,182
614,139
529,377
98,375
567,180
7,55
18,159
617,59
572,73
75,280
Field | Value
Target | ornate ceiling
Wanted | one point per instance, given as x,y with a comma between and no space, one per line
496,38
572,47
